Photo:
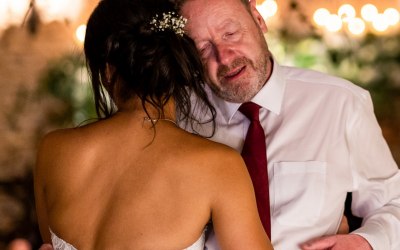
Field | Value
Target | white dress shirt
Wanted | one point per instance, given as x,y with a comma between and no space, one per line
323,141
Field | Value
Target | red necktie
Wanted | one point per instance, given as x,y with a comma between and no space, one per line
254,155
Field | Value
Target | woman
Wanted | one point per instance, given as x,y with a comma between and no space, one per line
134,179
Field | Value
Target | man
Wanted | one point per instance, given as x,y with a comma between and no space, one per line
322,138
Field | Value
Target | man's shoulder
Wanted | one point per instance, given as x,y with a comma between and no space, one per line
314,77
316,80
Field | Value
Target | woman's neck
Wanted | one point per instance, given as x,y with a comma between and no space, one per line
149,111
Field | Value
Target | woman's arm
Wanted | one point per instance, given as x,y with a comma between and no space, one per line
39,188
234,211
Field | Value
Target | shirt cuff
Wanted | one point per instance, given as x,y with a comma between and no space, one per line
375,234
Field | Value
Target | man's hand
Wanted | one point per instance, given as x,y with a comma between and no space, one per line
337,242
46,247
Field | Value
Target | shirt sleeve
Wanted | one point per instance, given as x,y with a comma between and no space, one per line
376,178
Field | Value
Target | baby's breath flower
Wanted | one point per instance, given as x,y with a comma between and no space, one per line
169,20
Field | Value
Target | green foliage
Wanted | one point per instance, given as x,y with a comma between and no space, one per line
67,81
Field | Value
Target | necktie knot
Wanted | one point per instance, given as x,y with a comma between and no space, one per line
250,110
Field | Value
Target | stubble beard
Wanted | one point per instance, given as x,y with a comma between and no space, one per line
245,88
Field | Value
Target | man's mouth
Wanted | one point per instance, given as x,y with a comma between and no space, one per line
234,73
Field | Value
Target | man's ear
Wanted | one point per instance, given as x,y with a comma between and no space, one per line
253,2
257,16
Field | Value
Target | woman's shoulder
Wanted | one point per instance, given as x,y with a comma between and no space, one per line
215,150
80,134
68,143
55,139
60,138
65,152
215,158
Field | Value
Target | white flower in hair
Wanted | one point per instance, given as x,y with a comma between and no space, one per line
169,20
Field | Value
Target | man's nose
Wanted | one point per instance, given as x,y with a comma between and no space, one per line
224,53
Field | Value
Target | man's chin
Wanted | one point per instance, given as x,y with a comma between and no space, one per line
232,91
239,95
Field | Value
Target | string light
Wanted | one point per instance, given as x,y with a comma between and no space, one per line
346,12
370,16
321,16
380,23
392,16
356,26
369,12
334,23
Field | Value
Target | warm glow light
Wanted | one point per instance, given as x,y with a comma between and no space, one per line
346,11
321,16
356,26
80,33
392,16
3,14
347,16
59,9
12,12
334,23
369,12
19,6
268,8
380,23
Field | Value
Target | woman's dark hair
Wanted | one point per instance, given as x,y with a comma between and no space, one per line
126,59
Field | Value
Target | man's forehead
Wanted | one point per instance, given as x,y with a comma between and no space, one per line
216,11
187,5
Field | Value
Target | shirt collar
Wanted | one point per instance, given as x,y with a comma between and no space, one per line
269,97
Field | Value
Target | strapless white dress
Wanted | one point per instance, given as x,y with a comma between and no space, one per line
60,244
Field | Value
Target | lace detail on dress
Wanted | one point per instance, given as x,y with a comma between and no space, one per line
60,244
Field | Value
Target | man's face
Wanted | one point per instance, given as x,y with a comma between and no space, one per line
232,46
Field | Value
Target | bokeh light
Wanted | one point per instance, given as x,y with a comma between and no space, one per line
80,33
268,8
369,12
392,16
380,23
346,11
356,26
321,16
334,23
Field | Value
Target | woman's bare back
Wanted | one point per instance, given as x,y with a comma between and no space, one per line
119,184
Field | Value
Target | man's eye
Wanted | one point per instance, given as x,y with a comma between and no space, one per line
230,35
